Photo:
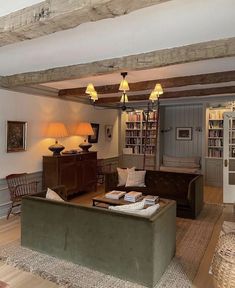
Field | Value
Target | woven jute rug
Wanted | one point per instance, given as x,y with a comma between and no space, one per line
192,239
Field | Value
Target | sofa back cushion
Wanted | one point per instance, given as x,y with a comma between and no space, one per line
50,194
187,162
136,178
168,184
123,174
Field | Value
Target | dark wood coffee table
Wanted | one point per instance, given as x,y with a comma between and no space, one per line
101,199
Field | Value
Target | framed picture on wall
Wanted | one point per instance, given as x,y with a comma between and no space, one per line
94,138
183,133
108,132
16,136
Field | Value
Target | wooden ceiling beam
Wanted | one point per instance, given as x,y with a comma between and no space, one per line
172,95
52,16
144,61
209,78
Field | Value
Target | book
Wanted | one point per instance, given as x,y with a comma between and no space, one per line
115,194
151,199
132,196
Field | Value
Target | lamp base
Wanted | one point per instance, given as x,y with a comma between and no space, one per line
85,146
56,149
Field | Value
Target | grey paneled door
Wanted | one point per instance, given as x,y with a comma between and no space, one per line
229,158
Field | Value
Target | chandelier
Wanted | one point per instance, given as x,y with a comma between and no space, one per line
124,86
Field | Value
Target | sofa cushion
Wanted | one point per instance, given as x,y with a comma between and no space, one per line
136,178
53,195
179,169
188,162
122,175
167,184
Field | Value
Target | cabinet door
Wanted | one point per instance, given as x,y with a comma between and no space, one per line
89,174
50,176
67,173
86,171
229,158
214,172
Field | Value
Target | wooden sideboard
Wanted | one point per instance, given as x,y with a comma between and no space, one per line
77,172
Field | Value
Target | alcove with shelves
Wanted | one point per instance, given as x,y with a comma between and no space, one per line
215,132
135,135
215,145
139,138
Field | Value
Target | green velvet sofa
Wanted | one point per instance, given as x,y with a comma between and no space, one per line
131,247
185,188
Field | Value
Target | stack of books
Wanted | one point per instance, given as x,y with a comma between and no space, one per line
132,196
151,199
115,194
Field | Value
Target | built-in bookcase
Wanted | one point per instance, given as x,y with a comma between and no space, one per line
136,132
215,132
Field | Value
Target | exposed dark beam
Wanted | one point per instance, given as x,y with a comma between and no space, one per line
177,94
209,78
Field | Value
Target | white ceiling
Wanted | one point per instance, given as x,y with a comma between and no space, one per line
6,7
200,67
170,24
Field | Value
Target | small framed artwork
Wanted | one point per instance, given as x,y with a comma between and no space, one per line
108,132
183,133
16,136
94,138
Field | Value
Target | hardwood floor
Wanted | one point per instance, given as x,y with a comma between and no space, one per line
10,231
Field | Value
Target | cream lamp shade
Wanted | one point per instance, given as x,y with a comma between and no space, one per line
124,86
124,98
56,130
90,88
84,129
158,89
156,92
94,96
153,96
91,91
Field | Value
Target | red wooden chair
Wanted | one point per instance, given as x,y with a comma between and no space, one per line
19,186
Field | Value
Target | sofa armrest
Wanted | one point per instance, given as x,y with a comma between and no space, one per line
195,194
111,181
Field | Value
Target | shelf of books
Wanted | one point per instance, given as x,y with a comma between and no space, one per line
136,133
215,132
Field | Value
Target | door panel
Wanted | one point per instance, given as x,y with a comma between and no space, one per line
229,158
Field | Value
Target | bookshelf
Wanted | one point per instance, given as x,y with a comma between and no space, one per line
215,146
215,132
135,132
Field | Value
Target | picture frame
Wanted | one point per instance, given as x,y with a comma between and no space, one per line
184,133
16,134
108,132
94,138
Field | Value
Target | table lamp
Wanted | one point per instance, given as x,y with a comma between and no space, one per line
84,129
56,130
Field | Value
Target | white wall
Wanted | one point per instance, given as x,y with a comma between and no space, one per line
38,112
